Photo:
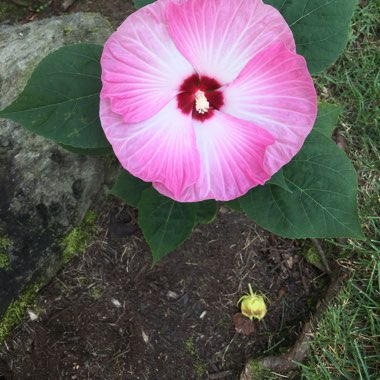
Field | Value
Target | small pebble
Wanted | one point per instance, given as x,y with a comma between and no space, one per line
172,295
116,303
33,316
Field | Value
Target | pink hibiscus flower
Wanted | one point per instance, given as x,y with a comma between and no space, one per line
205,98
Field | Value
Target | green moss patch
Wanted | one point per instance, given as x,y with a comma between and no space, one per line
200,367
17,309
312,257
74,243
78,239
5,243
258,372
4,262
96,293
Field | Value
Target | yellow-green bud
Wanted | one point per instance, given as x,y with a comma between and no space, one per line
253,305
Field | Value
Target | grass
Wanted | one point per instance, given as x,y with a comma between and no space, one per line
347,343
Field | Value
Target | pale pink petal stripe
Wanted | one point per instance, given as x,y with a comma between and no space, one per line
231,156
275,91
161,149
142,69
219,37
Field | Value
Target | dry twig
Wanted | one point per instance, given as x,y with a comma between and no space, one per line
322,255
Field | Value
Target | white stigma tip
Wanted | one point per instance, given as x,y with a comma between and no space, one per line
201,103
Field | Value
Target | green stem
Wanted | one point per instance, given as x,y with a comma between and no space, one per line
250,289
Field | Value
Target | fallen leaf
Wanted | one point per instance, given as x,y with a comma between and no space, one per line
243,325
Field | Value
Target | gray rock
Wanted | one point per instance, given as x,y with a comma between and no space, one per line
44,190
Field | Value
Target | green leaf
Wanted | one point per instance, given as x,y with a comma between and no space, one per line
327,118
61,98
88,151
164,222
141,3
129,188
279,180
323,199
206,211
320,28
234,205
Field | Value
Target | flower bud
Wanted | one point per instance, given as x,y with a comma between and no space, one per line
253,305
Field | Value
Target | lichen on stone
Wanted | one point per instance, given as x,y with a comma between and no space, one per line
68,30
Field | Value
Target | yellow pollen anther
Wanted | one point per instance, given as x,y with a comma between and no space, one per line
201,103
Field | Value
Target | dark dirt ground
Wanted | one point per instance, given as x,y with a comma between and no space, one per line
108,315
22,11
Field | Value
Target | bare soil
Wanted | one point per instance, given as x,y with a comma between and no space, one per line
109,315
22,11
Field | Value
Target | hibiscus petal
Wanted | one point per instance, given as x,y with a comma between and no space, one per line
162,148
142,69
231,155
219,37
275,91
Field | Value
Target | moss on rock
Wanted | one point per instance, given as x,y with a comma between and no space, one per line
17,310
5,244
4,262
79,237
74,243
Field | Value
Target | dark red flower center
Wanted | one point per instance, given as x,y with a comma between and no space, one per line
200,96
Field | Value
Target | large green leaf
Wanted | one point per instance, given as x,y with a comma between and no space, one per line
206,211
234,205
325,124
320,28
323,199
164,222
278,179
327,118
129,188
141,3
88,151
61,98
